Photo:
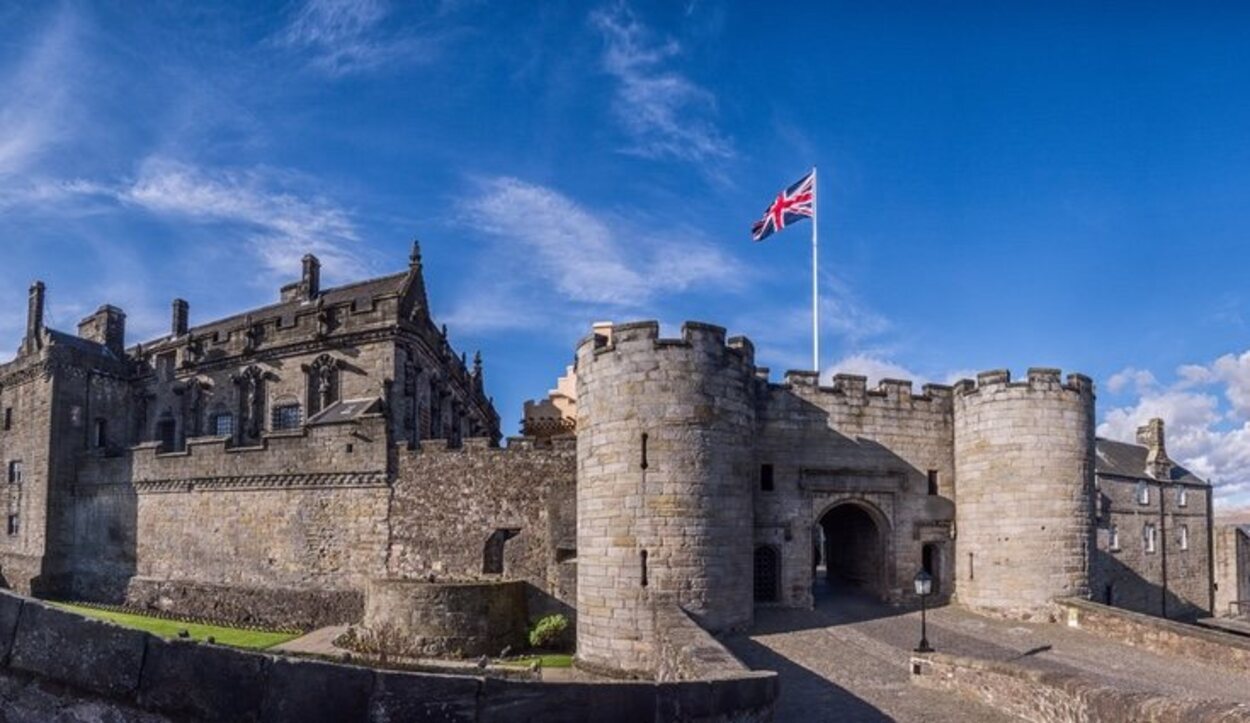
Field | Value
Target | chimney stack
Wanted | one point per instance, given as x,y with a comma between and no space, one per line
181,317
1150,436
107,327
311,283
34,317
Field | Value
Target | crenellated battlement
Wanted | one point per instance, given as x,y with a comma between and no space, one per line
852,389
1038,379
477,446
644,337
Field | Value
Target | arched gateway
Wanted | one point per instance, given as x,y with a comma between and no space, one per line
856,548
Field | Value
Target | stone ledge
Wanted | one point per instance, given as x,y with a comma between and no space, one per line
1043,696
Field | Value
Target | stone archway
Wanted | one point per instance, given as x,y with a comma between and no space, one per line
856,551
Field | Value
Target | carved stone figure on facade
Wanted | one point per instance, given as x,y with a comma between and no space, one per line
251,383
325,318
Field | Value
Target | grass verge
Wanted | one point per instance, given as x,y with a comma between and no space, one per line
234,637
546,660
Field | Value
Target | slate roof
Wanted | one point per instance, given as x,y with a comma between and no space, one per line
346,411
1129,460
392,284
86,346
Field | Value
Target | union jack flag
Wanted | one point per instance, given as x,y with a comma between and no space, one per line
791,205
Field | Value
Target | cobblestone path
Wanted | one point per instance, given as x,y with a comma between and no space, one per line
847,661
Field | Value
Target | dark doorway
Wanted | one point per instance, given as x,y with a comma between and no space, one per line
854,553
767,574
492,554
931,561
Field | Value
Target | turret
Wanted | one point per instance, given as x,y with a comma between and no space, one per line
1024,477
665,487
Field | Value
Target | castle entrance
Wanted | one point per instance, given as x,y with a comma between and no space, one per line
853,551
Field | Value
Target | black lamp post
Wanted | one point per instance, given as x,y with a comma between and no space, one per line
924,586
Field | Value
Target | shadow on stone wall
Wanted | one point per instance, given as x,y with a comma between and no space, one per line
1130,591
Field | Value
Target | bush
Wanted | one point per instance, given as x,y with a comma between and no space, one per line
548,632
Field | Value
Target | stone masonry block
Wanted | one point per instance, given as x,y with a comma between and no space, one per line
301,691
106,658
202,682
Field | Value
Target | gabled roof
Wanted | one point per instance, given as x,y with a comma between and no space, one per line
1129,460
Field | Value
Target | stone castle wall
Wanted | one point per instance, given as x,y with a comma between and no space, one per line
665,468
26,389
1024,469
847,444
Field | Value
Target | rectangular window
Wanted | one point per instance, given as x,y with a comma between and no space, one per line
13,525
1184,537
1148,538
933,481
15,472
8,418
223,425
1182,497
1115,538
766,477
101,434
1143,493
287,416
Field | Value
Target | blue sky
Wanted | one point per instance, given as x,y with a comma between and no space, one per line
1001,186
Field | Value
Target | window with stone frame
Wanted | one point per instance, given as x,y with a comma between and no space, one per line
223,424
1183,536
1182,497
8,418
13,525
15,472
99,433
1143,493
1114,538
287,415
1149,538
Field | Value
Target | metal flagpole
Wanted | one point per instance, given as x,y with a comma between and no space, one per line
815,286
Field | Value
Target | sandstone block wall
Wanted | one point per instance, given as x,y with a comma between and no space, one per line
664,498
1171,580
415,618
1024,467
847,444
448,504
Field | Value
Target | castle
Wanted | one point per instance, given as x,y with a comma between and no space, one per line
281,466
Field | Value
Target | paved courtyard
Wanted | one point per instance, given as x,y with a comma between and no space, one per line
847,661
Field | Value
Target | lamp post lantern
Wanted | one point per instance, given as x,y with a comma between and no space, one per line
924,586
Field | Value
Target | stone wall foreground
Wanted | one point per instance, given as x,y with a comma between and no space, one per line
1044,697
1167,637
55,663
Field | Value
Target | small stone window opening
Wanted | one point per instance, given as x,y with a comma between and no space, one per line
99,436
287,416
1143,493
1182,497
933,482
1114,542
223,424
8,418
492,554
643,463
13,525
1149,538
642,557
766,477
1184,537
15,472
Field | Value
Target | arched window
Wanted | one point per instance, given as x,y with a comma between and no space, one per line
767,574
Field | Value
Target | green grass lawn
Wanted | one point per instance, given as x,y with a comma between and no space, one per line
547,660
234,637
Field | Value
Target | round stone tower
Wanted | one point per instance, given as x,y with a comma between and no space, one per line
664,487
1024,481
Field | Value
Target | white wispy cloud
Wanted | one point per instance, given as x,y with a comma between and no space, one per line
547,245
1207,412
665,114
350,36
35,107
284,225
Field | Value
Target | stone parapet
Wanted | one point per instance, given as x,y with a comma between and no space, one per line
123,674
1044,696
